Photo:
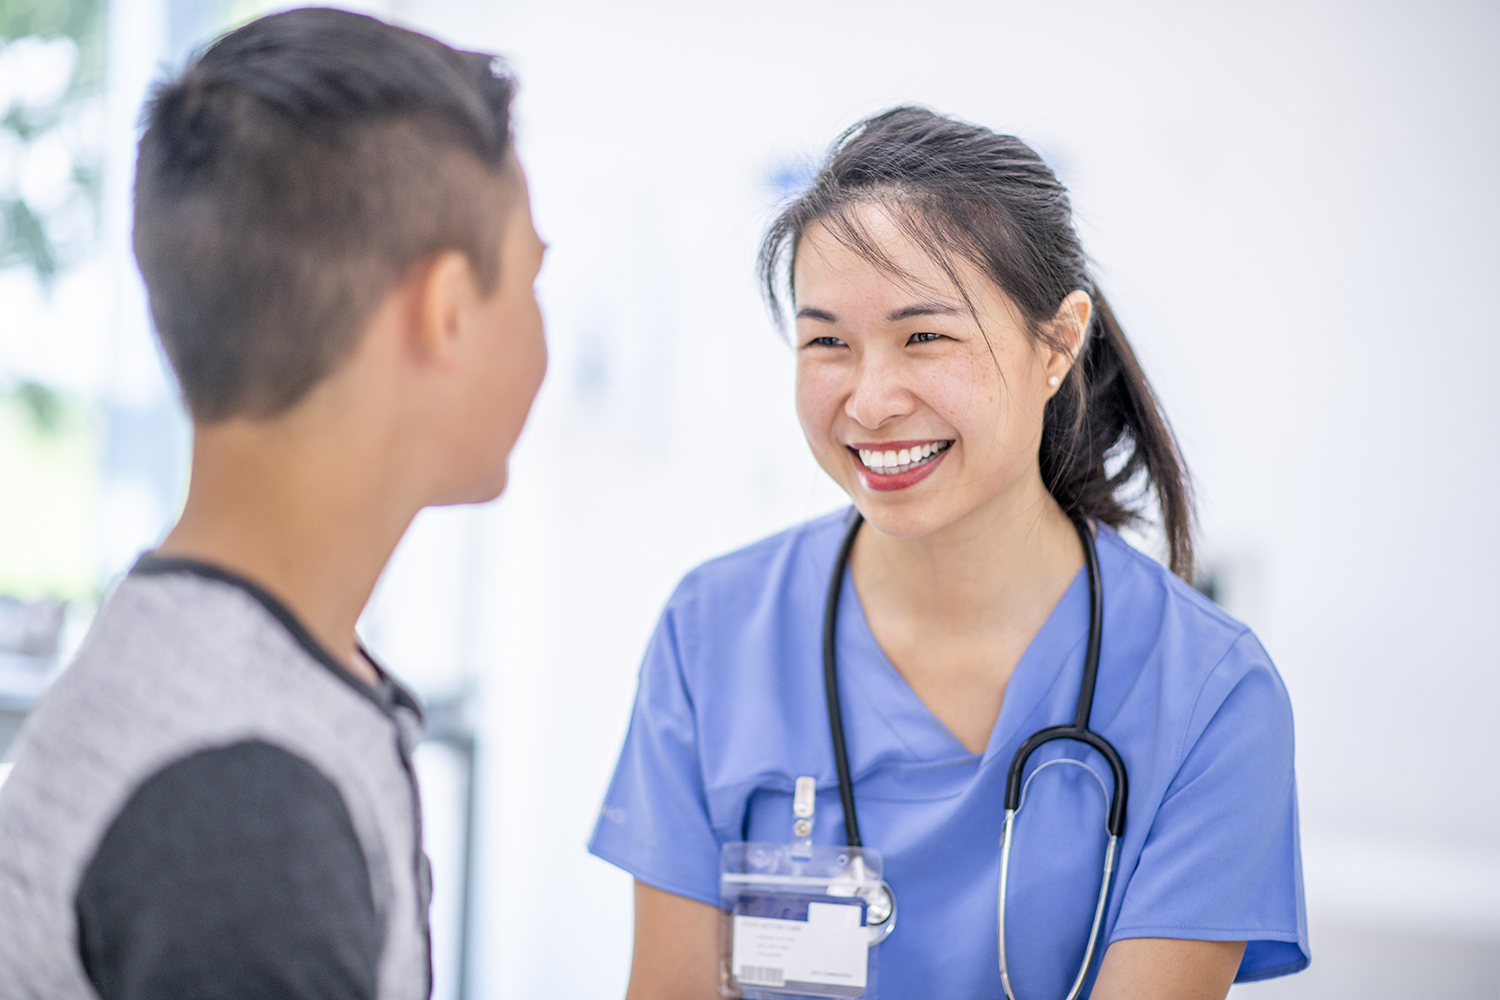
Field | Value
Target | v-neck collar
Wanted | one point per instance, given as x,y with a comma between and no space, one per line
866,671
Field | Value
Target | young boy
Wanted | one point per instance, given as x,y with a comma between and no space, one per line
217,798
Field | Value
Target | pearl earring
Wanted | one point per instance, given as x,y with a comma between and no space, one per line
1052,381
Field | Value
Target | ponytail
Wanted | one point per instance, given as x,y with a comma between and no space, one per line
1102,429
968,195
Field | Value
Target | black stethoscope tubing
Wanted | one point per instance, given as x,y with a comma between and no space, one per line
831,680
1078,730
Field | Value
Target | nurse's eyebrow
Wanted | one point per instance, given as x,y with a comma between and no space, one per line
924,309
905,312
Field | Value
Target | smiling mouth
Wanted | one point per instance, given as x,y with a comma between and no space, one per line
896,461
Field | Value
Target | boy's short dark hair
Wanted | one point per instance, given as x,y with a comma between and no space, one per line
291,174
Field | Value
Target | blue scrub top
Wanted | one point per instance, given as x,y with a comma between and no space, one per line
731,711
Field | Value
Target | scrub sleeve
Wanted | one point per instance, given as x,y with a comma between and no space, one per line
1222,861
655,822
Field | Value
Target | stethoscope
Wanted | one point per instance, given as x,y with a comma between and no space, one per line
882,910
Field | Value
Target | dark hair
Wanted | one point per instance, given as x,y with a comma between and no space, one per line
291,174
967,195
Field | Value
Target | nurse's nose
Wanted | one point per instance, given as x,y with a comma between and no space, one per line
879,394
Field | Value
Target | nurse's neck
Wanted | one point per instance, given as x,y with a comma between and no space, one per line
955,608
1002,557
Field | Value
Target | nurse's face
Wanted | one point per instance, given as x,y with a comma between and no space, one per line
925,414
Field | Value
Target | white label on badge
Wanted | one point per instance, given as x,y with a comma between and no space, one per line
829,948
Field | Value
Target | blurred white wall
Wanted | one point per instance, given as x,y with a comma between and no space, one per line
1293,208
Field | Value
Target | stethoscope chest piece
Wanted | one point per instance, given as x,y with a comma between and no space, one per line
880,912
879,900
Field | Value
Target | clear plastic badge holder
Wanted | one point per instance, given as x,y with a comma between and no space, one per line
798,920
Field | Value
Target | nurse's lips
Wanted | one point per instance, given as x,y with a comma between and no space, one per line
896,465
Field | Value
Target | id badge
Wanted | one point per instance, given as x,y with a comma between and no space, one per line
798,919
795,921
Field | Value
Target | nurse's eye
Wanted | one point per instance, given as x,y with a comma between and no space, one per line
825,342
924,338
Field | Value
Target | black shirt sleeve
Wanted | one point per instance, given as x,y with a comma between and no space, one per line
233,873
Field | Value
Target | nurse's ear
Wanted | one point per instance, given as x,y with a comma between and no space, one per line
1067,329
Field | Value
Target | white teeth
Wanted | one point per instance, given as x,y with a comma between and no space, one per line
890,462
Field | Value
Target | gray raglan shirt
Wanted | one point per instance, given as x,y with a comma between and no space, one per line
208,805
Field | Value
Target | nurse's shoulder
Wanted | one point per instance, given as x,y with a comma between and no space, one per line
730,687
776,584
1167,643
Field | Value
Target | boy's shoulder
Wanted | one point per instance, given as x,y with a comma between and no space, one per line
185,657
187,651
194,732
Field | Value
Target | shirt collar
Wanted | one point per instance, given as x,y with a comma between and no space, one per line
388,694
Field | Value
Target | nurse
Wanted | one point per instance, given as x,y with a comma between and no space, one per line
961,376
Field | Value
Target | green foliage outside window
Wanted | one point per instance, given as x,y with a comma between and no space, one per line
51,92
51,139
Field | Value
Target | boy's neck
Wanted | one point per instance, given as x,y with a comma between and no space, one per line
311,519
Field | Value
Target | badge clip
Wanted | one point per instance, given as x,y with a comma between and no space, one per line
804,806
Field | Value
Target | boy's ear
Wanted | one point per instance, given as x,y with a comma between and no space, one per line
444,290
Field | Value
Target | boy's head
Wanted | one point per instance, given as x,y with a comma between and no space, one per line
296,173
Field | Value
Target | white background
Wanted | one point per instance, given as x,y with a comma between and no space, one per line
1293,208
